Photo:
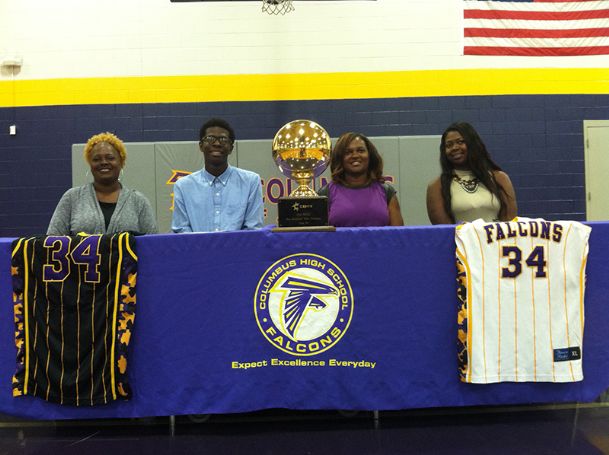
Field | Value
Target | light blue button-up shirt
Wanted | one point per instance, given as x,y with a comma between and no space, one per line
230,202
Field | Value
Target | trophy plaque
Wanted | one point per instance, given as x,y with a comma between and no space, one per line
301,151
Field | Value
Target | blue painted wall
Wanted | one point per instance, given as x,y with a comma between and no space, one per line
537,139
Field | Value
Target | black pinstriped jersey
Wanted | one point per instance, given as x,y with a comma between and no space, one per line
74,303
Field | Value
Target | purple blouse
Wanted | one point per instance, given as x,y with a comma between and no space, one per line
365,206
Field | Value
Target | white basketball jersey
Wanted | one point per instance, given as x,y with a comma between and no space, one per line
521,290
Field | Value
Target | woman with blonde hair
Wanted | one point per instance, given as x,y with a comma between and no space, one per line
104,206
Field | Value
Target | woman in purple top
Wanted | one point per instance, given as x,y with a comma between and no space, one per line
358,194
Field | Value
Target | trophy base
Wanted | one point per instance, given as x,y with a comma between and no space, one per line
304,229
300,212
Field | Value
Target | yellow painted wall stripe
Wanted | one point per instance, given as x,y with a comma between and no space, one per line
313,86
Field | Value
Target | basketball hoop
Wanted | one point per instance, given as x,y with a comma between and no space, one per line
277,7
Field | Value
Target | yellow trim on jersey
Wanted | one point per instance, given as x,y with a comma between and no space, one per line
103,375
564,271
26,281
582,284
133,255
515,292
92,377
78,340
483,304
499,318
116,304
304,86
16,248
463,259
34,307
534,315
550,314
46,367
62,346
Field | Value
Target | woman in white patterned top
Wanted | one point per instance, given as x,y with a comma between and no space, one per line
471,185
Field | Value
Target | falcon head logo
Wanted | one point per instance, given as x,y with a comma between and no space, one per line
303,304
303,294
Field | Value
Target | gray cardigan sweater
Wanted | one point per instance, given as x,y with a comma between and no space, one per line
79,211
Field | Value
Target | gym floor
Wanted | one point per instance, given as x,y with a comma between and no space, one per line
549,429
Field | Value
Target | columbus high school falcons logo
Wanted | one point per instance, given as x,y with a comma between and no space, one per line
301,297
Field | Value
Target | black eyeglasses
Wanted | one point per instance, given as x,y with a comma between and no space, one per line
210,139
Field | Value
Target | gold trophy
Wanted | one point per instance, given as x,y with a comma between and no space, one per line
301,150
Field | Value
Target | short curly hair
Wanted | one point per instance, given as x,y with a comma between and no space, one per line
221,123
111,139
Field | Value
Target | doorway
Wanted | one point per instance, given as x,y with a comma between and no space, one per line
596,158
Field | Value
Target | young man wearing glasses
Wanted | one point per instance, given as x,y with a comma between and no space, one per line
219,197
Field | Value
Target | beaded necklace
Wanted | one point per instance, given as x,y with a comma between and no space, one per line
469,186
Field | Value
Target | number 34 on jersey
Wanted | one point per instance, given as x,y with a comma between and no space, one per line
521,289
74,300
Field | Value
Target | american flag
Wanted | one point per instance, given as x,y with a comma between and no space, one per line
536,27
